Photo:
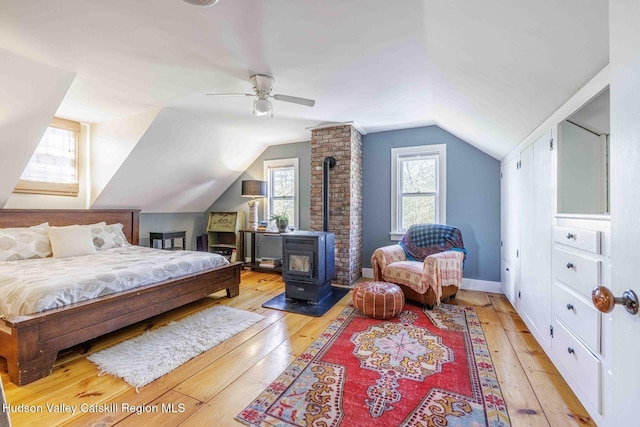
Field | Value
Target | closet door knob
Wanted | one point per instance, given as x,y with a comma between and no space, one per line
569,265
604,300
569,306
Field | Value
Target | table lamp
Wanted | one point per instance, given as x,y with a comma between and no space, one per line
254,188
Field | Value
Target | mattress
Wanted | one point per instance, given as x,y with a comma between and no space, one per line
35,285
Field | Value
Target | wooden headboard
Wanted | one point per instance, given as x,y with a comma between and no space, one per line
129,218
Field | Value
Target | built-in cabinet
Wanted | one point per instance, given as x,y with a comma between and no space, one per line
580,262
526,210
553,254
534,207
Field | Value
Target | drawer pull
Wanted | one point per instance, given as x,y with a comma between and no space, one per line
569,265
604,300
507,269
571,350
571,236
569,306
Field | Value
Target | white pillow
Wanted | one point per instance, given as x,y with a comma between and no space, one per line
73,240
24,243
109,236
97,224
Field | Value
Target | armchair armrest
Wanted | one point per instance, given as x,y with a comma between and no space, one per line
384,256
442,269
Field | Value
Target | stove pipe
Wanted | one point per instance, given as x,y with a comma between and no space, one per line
328,163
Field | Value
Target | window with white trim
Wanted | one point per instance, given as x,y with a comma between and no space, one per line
53,168
418,187
282,189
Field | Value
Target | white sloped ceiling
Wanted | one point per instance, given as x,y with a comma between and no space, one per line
111,144
489,72
30,93
184,162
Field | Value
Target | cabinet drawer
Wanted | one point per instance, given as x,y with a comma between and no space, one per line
586,240
581,365
579,316
579,272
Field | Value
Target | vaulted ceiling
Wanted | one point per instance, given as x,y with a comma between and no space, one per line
487,71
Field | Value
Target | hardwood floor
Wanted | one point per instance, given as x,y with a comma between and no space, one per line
212,388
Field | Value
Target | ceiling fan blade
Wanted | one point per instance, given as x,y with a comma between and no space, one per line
231,94
295,100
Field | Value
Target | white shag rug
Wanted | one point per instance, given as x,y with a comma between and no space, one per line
147,357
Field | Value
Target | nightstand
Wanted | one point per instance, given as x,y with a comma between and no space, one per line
169,235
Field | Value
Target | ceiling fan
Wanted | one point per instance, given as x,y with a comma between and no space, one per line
262,86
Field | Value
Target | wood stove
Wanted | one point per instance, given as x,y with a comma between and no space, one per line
308,264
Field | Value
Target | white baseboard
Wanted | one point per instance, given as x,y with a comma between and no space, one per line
481,285
468,284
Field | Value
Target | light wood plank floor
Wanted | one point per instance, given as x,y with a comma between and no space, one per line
212,388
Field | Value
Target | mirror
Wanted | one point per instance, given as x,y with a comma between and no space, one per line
583,159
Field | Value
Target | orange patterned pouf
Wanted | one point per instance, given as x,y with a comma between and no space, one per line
380,300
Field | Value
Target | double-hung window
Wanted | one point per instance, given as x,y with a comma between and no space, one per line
282,189
418,192
53,168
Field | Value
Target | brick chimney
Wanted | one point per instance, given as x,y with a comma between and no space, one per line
344,143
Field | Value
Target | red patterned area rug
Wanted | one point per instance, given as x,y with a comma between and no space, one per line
422,368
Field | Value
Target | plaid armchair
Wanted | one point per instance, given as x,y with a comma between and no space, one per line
438,276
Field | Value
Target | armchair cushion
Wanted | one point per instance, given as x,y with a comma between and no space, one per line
408,273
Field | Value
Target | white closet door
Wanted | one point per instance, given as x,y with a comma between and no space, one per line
510,261
535,234
624,376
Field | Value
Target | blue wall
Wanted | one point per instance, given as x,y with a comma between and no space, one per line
231,200
473,196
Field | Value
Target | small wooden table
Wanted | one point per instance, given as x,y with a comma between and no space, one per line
253,264
169,235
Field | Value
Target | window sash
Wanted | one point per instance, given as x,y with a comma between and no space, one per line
402,194
270,167
273,198
398,196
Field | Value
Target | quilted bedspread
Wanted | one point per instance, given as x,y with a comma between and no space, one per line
35,285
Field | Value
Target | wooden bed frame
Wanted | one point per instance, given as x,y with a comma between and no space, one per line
31,343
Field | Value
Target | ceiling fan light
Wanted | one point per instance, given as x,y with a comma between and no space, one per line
261,106
201,3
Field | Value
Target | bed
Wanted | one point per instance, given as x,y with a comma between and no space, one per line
30,343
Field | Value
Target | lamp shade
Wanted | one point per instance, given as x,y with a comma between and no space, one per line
254,188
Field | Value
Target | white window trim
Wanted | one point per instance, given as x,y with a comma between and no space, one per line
279,163
441,213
